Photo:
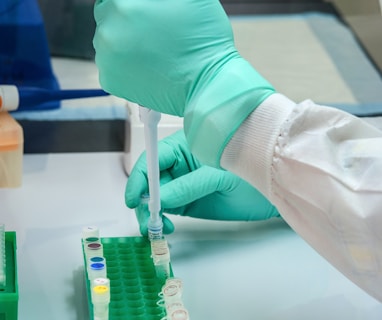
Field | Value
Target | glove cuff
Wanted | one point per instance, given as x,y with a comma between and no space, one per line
251,152
217,111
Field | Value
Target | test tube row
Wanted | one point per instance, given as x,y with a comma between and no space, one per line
171,293
2,257
171,300
97,273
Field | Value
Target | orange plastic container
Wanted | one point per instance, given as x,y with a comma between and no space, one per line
11,151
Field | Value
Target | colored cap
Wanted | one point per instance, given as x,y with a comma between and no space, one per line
9,98
90,231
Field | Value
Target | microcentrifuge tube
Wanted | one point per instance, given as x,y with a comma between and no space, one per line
101,282
161,257
94,249
174,306
175,281
95,259
178,314
100,300
92,240
171,293
97,270
90,231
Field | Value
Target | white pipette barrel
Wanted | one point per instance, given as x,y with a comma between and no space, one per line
150,120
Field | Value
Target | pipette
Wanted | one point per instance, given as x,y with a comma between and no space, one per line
150,120
32,98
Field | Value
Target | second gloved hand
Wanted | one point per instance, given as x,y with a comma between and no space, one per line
191,189
179,57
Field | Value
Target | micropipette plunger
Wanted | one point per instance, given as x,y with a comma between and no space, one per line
150,120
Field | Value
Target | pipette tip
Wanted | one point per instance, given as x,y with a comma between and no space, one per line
155,233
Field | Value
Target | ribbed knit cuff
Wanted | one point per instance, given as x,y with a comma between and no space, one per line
218,109
249,154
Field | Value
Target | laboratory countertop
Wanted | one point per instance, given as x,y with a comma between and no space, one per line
230,270
74,177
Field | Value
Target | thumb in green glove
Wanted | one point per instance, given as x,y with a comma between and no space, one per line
189,188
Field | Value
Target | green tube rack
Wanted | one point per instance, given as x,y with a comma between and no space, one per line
3,275
9,295
134,284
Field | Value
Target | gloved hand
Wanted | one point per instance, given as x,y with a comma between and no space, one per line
178,57
191,189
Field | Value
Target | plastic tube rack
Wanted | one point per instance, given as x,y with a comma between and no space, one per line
9,295
133,281
2,257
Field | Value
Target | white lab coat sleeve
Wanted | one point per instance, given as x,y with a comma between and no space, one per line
322,169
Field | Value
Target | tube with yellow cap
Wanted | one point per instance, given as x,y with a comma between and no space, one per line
101,300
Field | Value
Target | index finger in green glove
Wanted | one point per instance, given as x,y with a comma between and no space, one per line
191,189
210,193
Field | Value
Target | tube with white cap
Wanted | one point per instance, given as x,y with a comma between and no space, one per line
150,120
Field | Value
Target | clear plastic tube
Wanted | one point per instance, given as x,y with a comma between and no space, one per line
97,270
161,257
101,300
90,232
101,282
93,249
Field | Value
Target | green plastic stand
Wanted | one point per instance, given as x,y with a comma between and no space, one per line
9,295
134,284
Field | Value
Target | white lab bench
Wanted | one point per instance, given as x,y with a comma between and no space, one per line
231,270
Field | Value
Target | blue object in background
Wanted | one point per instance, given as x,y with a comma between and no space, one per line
32,98
24,53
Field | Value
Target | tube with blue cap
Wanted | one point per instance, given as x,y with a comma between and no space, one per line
14,98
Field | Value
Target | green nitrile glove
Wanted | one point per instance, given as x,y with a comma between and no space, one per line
178,57
191,189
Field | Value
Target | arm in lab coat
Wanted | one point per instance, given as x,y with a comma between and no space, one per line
319,166
322,169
